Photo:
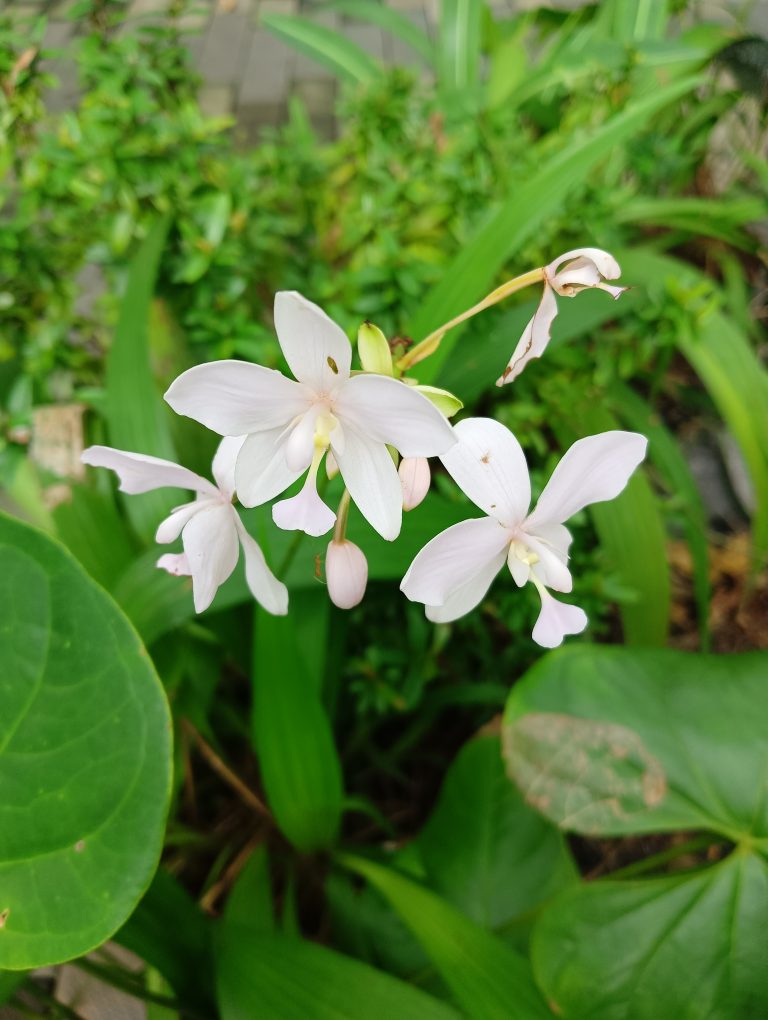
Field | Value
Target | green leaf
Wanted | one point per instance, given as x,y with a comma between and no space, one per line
484,849
89,524
488,979
725,362
616,950
390,20
699,718
332,49
635,22
84,757
249,905
275,977
458,54
137,419
292,734
507,227
668,459
186,959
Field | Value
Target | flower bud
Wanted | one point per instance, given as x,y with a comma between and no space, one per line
447,403
414,480
346,571
372,346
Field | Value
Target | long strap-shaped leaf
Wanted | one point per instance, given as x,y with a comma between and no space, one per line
459,45
390,20
507,227
136,416
488,979
323,44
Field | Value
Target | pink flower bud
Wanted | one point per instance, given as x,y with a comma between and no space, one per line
346,571
414,480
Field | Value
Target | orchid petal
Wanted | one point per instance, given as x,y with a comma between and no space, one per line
261,472
223,467
304,512
270,593
521,572
488,464
605,264
173,525
556,620
535,338
388,411
453,559
318,351
594,469
235,398
550,569
140,473
300,444
373,482
176,564
210,543
415,477
469,595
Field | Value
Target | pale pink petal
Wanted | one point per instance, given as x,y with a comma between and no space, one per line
210,542
388,411
453,559
594,469
488,464
261,472
140,473
346,571
235,398
318,351
414,480
469,595
173,525
521,572
223,467
304,512
605,264
270,593
556,620
550,569
535,338
300,442
371,477
175,563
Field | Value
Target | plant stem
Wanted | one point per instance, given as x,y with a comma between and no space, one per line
342,514
648,863
223,770
430,344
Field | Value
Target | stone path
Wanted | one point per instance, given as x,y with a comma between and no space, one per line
250,73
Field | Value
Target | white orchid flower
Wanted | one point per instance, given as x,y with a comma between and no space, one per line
453,572
290,425
210,527
584,268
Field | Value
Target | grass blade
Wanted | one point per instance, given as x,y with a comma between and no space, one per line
345,58
390,20
137,419
458,54
472,272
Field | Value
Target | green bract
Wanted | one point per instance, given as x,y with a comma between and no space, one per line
84,757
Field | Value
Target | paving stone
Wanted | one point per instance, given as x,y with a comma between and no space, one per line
278,7
225,49
58,34
216,100
400,53
319,96
368,37
269,69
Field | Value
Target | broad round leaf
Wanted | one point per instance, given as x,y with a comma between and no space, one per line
84,756
681,735
691,947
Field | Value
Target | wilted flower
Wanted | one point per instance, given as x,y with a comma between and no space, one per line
585,268
290,425
210,528
414,478
453,572
346,571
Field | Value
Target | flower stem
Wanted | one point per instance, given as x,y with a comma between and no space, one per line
342,514
430,344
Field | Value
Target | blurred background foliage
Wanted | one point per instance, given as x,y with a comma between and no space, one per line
138,237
